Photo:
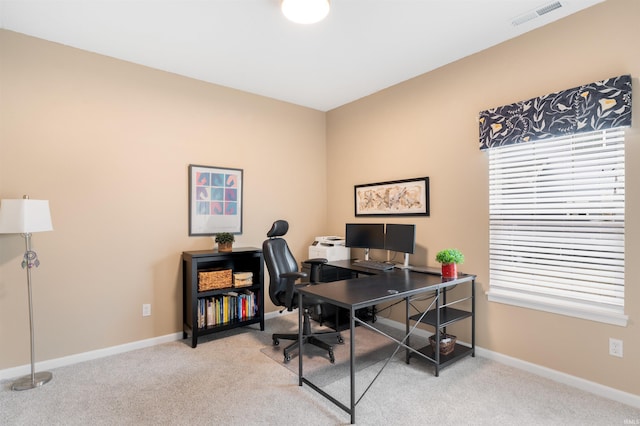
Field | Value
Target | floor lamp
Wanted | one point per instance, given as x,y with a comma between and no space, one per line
25,216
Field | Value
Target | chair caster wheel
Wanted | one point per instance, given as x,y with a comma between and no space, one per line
276,342
340,339
332,359
287,358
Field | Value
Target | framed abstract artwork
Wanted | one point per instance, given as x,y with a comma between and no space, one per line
409,197
215,200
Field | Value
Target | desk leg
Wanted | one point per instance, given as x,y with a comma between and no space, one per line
352,367
473,318
406,332
300,345
438,335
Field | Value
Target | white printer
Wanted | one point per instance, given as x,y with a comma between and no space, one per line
330,248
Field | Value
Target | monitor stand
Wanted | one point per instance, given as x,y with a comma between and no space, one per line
405,265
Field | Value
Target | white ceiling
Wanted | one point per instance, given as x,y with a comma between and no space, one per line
363,46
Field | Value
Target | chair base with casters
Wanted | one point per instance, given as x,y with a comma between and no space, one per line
308,337
283,277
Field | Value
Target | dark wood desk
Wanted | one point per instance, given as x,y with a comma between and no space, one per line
378,287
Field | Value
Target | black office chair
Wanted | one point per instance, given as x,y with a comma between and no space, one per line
283,274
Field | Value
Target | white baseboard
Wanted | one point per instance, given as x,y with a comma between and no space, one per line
557,376
274,314
560,377
24,370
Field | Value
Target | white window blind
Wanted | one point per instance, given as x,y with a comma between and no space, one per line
557,225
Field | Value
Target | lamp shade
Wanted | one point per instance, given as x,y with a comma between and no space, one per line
305,11
24,216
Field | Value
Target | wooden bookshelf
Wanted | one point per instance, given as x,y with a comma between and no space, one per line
209,310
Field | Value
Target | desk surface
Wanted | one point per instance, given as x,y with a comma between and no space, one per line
380,286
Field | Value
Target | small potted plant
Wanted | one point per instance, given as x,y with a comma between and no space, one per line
225,241
449,258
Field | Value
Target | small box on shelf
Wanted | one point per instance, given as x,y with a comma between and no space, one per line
242,279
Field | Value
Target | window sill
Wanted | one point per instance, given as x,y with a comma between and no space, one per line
560,307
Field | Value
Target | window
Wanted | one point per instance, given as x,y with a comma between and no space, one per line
557,225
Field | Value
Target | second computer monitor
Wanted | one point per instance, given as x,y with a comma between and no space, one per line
401,238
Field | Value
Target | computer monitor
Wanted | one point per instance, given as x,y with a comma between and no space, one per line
401,238
364,235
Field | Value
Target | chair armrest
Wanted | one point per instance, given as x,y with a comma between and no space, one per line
291,278
293,275
315,263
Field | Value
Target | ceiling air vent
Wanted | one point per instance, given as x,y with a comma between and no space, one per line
548,8
525,17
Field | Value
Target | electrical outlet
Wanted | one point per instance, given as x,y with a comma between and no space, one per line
615,347
146,310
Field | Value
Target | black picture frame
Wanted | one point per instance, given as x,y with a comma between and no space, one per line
408,197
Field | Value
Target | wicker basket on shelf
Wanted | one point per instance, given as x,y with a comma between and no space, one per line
447,343
212,280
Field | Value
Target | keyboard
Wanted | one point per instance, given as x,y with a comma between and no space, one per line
372,264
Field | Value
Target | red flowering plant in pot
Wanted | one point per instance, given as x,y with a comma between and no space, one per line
449,258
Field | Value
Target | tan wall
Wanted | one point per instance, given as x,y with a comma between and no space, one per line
428,127
109,144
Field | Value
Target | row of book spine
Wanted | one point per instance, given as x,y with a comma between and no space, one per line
224,308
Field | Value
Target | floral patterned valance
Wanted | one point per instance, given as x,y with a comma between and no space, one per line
597,106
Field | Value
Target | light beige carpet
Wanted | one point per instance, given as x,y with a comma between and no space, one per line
371,348
226,380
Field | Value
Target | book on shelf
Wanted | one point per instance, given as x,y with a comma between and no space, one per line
210,320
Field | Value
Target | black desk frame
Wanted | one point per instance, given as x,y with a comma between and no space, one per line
389,286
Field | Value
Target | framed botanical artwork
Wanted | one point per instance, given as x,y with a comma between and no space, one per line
215,200
409,197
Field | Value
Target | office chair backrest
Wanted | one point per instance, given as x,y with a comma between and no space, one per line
279,260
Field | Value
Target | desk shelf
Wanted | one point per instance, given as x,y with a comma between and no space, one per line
458,352
440,317
447,316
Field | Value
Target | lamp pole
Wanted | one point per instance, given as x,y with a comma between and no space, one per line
34,380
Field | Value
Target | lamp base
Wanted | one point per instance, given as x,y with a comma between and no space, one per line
28,382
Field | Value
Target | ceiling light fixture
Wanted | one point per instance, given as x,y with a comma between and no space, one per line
305,11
